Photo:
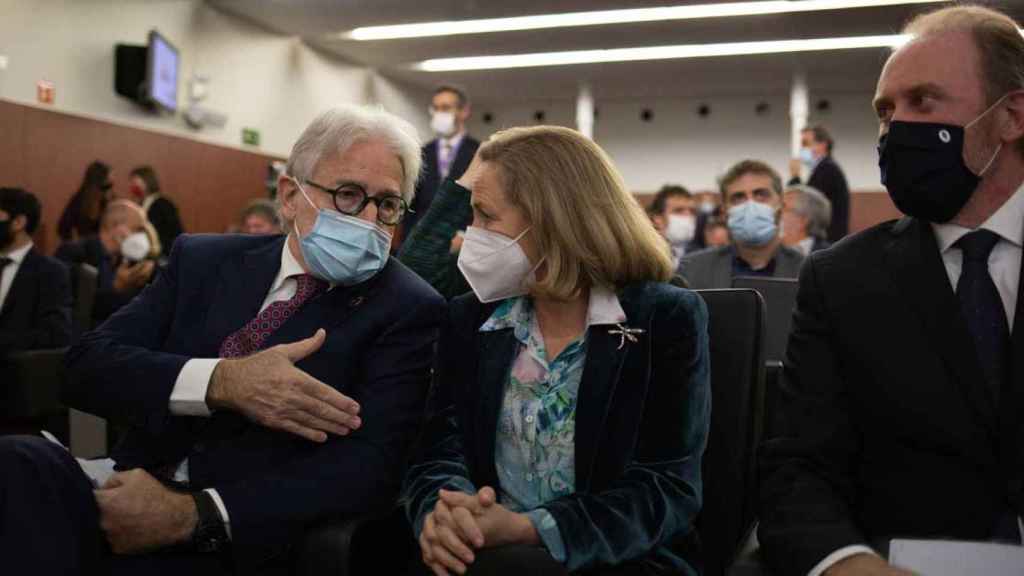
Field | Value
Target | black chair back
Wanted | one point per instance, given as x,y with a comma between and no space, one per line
84,280
737,331
780,300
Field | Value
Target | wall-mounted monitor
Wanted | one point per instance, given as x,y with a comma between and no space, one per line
148,74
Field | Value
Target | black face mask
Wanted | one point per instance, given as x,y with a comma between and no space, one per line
6,236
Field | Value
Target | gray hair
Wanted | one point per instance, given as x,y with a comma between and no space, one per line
337,129
815,207
262,207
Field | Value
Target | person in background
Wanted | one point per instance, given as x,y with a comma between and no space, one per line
124,253
160,210
446,156
674,215
901,413
715,233
570,405
35,290
269,382
260,217
825,175
752,194
81,216
806,215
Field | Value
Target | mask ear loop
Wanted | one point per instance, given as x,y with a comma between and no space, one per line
295,224
998,148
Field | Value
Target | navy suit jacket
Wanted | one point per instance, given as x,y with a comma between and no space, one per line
37,311
642,420
379,346
430,179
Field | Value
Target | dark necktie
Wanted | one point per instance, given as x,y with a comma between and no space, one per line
983,309
251,337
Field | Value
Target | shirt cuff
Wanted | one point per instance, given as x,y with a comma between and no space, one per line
547,528
841,554
221,510
188,398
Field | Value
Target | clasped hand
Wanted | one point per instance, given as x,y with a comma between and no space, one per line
268,389
461,523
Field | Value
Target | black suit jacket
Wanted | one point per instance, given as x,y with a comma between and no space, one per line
828,178
163,215
380,338
884,427
37,311
430,178
91,251
642,420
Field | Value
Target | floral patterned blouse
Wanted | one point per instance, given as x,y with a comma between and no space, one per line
535,440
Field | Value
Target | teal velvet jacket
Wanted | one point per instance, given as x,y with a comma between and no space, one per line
642,421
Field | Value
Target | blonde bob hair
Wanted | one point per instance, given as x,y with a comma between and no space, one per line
590,230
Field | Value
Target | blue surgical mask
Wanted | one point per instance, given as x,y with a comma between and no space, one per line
753,223
342,249
806,156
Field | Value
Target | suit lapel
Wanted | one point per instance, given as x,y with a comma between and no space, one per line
496,351
463,156
917,270
241,289
21,288
601,373
1012,395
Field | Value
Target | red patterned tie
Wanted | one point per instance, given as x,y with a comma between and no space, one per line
251,337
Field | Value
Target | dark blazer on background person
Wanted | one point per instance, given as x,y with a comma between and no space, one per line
164,217
37,311
378,350
642,419
884,428
712,267
829,179
91,251
430,178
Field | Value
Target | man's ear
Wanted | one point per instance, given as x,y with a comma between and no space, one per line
1013,130
465,112
287,195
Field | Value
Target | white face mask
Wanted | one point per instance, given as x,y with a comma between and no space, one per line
443,123
494,265
681,228
136,247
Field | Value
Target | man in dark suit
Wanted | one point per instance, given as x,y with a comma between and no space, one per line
160,210
119,277
446,156
900,413
752,194
35,290
806,215
825,175
269,382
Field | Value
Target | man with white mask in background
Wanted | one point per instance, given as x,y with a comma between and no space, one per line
122,253
446,156
752,199
674,215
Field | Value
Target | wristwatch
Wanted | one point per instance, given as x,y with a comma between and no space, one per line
210,534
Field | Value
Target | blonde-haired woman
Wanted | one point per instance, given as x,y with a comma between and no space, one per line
570,406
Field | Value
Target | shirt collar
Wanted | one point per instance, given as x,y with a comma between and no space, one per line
1007,222
289,266
454,140
602,308
18,255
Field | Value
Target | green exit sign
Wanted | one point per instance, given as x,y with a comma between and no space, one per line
250,136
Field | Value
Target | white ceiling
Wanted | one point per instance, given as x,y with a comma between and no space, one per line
319,21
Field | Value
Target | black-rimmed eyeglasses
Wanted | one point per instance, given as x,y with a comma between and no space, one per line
352,200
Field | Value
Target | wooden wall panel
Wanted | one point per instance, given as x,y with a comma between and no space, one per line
47,152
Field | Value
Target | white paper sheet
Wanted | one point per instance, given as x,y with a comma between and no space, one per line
951,558
98,470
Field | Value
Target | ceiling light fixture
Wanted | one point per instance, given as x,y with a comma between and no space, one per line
595,18
658,53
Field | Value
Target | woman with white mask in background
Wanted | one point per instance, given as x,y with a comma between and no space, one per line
571,340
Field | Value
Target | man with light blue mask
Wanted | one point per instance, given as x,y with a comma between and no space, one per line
268,382
752,196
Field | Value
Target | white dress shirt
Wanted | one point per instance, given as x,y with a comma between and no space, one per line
11,270
188,398
1003,266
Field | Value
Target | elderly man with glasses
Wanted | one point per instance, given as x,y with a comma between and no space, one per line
268,381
